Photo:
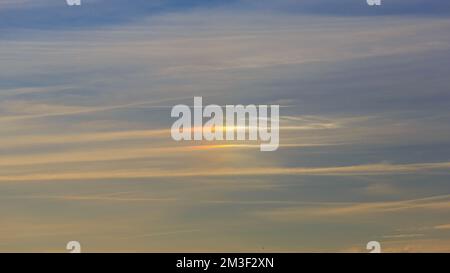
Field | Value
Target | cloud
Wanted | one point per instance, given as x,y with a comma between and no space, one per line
57,15
36,140
442,227
402,236
115,197
35,110
18,4
324,209
84,101
356,8
373,169
45,14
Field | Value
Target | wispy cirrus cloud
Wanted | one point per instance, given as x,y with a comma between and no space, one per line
373,169
84,108
337,209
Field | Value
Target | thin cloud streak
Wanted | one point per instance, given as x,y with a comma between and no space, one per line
371,169
434,203
89,110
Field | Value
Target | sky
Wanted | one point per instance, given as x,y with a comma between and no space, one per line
86,153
